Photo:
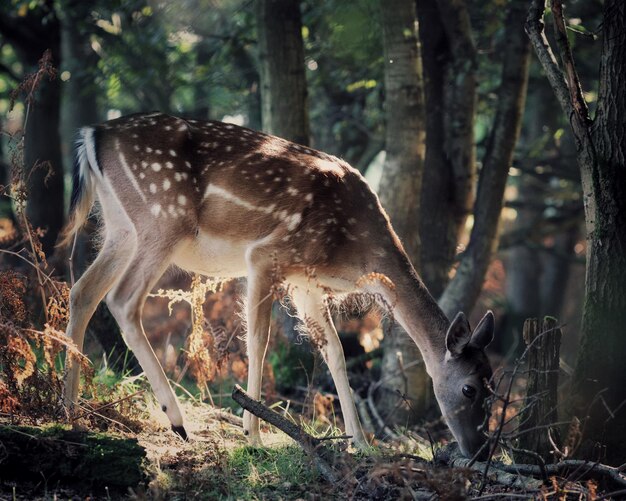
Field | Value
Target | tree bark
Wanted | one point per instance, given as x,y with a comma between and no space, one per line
31,37
601,151
540,410
283,82
447,196
462,292
399,191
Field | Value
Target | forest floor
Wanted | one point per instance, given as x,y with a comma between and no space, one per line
216,463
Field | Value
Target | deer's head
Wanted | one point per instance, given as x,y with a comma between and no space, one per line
461,388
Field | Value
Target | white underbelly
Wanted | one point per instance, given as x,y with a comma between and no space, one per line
213,256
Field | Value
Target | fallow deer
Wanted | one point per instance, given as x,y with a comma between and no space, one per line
226,201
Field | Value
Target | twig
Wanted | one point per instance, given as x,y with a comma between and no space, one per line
106,406
310,444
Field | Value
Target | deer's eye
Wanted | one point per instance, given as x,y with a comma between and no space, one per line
469,391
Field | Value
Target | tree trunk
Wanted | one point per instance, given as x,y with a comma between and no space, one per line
400,189
523,275
462,292
600,393
283,82
283,91
556,271
600,363
31,37
446,188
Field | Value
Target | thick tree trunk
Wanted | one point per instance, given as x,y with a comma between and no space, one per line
42,145
283,91
600,365
600,393
31,37
283,82
523,267
400,190
446,193
557,270
462,292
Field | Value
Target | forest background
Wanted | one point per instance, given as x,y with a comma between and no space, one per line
506,194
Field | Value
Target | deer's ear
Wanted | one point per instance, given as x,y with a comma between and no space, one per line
458,335
483,334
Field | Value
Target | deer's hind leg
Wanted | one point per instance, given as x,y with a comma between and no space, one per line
126,301
314,313
87,293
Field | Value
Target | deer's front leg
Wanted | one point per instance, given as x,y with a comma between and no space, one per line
313,312
258,314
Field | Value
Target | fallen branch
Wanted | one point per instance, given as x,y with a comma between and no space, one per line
519,475
310,445
451,456
590,469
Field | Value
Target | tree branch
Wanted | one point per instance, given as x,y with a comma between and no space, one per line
573,82
535,30
310,444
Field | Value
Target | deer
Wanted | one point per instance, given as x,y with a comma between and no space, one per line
226,201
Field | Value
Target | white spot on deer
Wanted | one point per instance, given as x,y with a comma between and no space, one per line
156,167
158,152
309,197
148,149
229,148
269,172
293,221
144,164
184,175
167,127
292,191
142,175
134,136
172,153
169,165
182,128
182,199
136,147
277,179
153,188
178,176
188,164
156,210
166,184
230,126
172,210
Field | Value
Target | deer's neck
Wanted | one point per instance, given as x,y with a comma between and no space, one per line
417,312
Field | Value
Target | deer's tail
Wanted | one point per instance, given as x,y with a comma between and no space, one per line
83,185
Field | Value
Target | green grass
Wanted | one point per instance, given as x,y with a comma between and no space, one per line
239,473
